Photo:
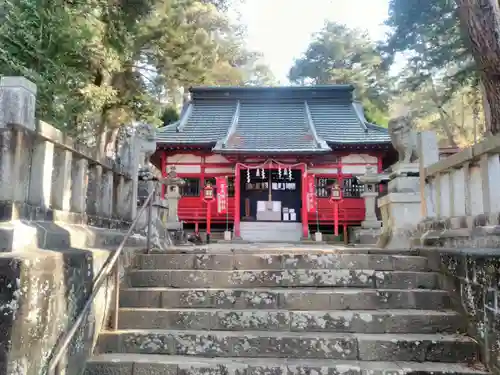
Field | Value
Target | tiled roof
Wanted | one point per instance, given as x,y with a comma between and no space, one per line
272,127
233,122
339,122
205,122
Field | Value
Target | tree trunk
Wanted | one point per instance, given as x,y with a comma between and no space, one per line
486,109
443,120
480,19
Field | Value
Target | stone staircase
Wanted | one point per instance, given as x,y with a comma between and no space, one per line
289,311
265,231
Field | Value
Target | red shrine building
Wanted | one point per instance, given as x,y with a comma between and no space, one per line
270,143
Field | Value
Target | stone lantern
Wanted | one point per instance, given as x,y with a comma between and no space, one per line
172,195
370,227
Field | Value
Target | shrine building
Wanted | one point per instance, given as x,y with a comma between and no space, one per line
268,141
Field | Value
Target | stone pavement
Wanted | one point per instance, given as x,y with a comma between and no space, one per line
284,308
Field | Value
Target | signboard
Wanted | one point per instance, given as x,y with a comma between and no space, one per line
221,186
336,193
311,194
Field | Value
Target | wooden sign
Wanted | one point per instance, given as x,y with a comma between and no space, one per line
312,205
221,186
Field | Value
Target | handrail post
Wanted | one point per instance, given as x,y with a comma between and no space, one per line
150,217
117,296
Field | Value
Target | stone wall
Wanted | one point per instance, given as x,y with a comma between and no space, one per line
461,235
41,295
63,209
472,277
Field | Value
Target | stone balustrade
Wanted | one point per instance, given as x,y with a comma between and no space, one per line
460,234
462,204
45,175
62,208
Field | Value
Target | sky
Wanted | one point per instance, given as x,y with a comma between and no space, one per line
281,29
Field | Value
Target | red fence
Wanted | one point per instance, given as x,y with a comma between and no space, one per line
194,210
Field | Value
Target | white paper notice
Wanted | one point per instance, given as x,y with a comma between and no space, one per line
261,206
276,206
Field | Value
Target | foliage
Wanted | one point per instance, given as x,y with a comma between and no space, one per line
99,64
339,55
439,69
170,115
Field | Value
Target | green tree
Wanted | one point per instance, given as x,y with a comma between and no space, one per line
99,64
339,55
448,44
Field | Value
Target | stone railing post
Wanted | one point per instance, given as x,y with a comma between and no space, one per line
476,189
42,163
428,151
79,185
17,114
490,177
467,193
106,198
94,190
126,201
61,195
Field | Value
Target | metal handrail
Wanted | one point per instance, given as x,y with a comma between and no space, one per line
106,270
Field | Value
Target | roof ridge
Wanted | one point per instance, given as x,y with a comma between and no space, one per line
358,109
377,127
232,128
164,128
185,117
320,142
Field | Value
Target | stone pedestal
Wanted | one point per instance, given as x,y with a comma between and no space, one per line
318,237
370,227
366,236
227,235
400,208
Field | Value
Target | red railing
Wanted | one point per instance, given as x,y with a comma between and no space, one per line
194,210
351,210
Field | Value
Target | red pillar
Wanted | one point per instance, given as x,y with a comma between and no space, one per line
336,218
303,214
163,171
237,198
209,218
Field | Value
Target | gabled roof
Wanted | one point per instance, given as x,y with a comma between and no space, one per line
344,122
283,119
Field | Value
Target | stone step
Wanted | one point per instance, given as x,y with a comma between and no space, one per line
142,364
289,299
355,321
284,278
280,248
317,345
379,262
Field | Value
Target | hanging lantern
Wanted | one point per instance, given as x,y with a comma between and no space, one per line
285,172
279,172
248,175
257,173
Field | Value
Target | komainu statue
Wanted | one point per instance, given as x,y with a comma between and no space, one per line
146,138
404,139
